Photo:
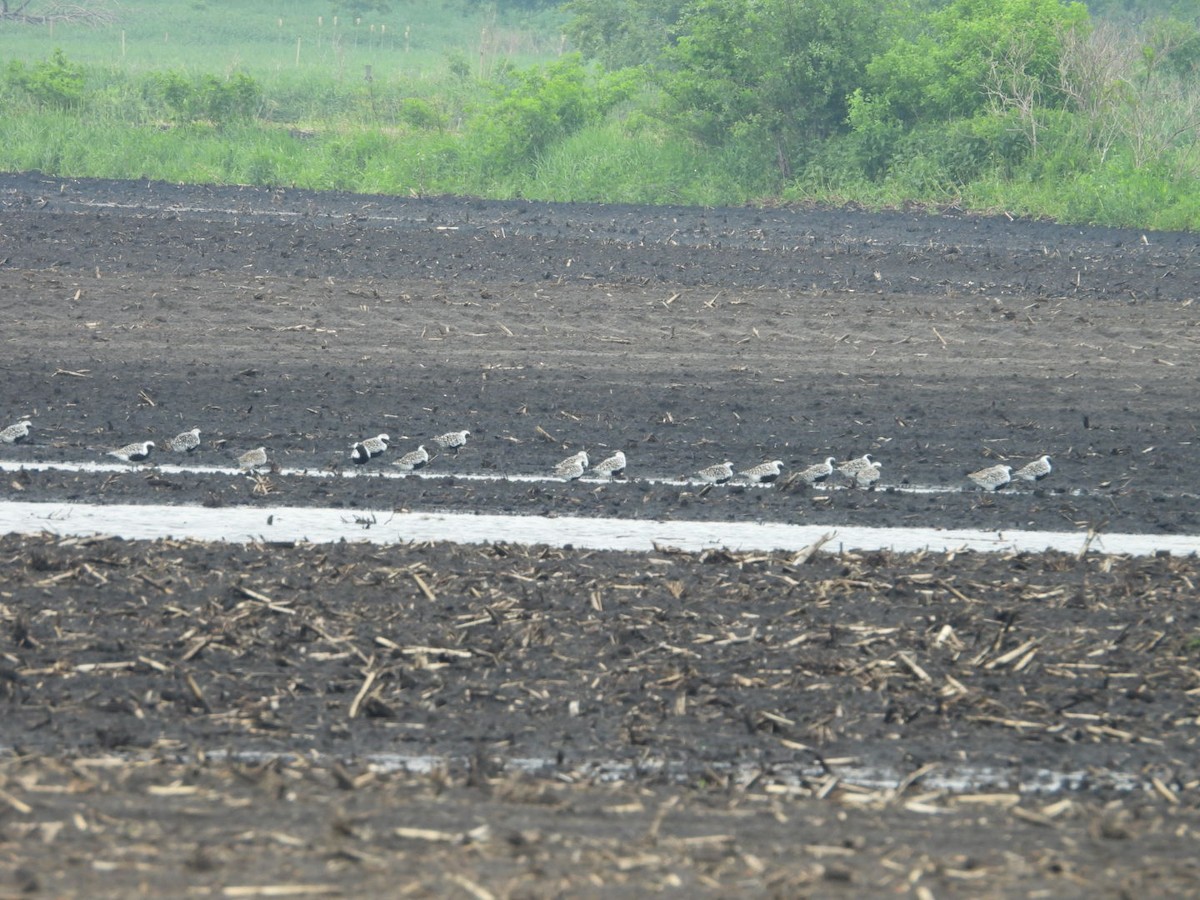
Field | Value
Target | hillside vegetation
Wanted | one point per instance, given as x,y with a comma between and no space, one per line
1033,107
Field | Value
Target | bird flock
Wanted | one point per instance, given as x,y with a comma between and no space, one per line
995,477
863,471
253,460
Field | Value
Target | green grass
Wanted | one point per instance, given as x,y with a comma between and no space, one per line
610,162
359,160
452,109
292,41
311,66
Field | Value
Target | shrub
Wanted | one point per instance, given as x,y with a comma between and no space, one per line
56,82
420,114
537,107
207,98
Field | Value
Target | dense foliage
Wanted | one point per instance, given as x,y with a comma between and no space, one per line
206,98
776,71
622,33
55,82
1080,111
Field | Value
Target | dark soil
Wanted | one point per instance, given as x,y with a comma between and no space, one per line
220,719
303,322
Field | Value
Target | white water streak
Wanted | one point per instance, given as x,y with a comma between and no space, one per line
282,523
384,472
953,777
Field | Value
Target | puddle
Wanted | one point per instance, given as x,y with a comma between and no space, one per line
383,526
387,472
953,779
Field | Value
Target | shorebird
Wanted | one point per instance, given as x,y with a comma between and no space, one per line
133,452
371,447
866,478
185,441
612,467
1034,471
413,460
253,459
572,467
763,473
452,440
718,474
852,467
17,432
817,472
992,478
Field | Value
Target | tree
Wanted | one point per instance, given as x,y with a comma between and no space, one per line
776,72
944,72
621,33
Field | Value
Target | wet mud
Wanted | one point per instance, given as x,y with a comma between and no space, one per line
231,719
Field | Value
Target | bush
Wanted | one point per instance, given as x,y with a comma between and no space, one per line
939,159
874,135
945,72
420,114
537,107
207,98
56,82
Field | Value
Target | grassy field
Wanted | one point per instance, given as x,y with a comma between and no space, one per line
398,103
450,98
372,104
283,40
315,69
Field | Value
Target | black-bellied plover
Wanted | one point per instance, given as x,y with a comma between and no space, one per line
133,452
369,448
852,467
413,460
1034,471
866,478
817,472
763,473
452,440
572,467
992,478
254,459
185,441
611,467
16,432
716,474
